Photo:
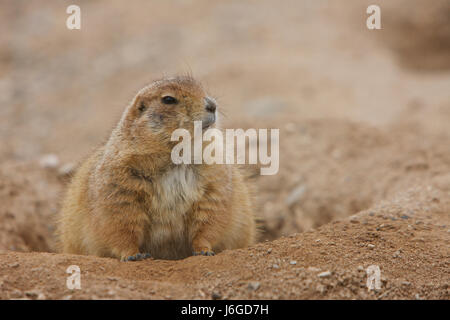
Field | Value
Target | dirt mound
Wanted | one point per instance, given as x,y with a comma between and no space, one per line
30,197
331,169
407,238
404,229
419,33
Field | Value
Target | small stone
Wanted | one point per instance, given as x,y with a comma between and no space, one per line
396,254
32,294
293,262
269,250
360,268
112,279
275,266
13,265
404,216
49,161
253,286
406,283
324,274
216,295
371,246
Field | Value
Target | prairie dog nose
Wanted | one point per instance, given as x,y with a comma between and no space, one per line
210,104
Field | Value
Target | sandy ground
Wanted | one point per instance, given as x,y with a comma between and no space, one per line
364,142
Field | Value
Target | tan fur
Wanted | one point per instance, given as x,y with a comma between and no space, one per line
129,197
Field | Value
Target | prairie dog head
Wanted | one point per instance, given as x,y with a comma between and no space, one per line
170,104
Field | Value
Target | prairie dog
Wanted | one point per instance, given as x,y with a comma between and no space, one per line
130,201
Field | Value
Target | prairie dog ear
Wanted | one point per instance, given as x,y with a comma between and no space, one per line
141,106
137,108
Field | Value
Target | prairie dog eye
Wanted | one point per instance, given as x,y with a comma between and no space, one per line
169,100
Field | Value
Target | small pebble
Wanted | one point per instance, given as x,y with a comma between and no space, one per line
49,161
32,294
253,286
293,262
216,295
324,274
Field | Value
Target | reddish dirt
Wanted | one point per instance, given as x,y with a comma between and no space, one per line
364,143
407,238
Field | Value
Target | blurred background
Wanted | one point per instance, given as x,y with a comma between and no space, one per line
362,113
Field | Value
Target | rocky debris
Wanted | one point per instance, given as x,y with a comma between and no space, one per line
49,161
253,285
325,274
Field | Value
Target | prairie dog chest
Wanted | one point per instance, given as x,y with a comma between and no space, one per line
174,193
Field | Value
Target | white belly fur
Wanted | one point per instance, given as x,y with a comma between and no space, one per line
175,192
